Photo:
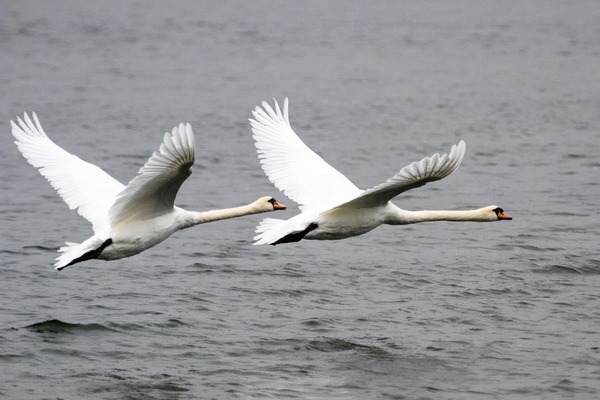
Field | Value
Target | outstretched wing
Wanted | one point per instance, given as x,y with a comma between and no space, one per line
152,192
291,166
412,176
83,186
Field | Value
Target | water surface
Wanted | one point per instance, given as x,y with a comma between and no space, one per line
457,311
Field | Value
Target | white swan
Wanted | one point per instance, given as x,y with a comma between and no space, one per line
126,219
332,206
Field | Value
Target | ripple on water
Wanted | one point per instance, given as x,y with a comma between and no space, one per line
163,386
571,265
58,326
332,345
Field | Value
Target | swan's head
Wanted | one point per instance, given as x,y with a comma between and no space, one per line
268,203
495,213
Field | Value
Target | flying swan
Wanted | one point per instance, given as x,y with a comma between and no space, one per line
126,219
332,206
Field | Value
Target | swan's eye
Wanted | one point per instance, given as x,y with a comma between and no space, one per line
272,201
498,210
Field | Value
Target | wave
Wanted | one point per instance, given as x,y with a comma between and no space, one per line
332,345
58,326
38,247
572,265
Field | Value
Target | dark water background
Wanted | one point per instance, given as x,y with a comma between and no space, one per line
452,311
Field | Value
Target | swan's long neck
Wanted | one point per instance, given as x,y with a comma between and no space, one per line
191,218
401,217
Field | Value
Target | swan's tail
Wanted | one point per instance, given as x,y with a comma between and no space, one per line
269,231
76,252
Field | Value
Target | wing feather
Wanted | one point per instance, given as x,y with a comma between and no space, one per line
152,192
83,186
412,176
291,166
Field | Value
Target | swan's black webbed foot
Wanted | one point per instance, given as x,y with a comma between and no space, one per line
296,237
90,255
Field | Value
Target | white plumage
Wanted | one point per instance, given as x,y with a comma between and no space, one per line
126,220
83,186
291,166
332,206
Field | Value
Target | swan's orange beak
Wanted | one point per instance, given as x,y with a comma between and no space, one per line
502,215
278,206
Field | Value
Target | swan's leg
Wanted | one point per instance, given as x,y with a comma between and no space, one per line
297,236
92,254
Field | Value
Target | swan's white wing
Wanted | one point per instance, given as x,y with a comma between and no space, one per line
291,166
83,186
412,176
152,192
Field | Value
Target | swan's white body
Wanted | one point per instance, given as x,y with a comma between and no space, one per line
126,219
332,206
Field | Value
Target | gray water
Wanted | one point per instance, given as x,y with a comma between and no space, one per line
431,311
